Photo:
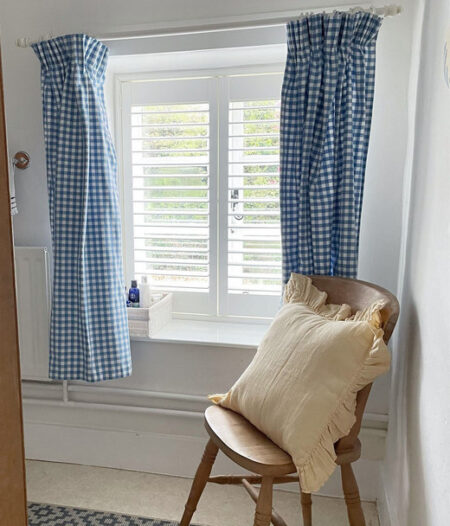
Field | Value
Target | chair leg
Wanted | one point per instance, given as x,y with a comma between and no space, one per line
351,494
306,509
263,513
199,483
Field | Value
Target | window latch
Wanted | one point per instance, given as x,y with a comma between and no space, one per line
234,195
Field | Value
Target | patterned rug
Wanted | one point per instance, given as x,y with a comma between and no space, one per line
49,515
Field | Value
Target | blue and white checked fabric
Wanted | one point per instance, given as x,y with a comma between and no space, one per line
326,110
89,337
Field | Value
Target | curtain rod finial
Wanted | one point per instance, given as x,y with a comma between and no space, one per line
392,10
23,42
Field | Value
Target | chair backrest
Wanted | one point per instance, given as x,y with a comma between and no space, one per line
359,295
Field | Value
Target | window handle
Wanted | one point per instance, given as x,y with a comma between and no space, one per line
234,194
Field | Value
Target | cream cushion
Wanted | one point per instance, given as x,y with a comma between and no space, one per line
300,389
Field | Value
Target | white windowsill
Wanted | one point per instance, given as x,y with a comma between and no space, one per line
213,333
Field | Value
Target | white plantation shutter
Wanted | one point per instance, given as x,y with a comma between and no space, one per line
170,178
200,192
251,225
170,155
254,262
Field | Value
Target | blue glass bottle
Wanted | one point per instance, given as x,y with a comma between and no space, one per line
133,294
127,300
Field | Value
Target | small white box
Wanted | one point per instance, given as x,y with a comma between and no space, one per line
147,321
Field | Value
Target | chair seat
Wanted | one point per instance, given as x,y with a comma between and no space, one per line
251,449
245,444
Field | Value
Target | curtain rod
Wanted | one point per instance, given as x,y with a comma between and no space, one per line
265,20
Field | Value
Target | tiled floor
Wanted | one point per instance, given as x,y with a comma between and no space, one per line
163,497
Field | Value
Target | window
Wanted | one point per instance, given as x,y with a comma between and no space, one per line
200,191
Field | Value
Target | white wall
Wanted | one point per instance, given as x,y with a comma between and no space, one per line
382,210
417,467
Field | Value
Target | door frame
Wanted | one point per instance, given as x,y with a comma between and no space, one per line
13,503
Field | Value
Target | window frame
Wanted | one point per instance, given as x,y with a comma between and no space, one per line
219,304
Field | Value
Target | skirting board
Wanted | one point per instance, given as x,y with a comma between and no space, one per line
167,442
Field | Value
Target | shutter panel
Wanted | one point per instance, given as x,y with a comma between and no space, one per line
254,245
170,157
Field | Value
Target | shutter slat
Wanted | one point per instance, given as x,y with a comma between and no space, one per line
171,125
174,211
240,108
171,138
262,121
168,272
156,187
260,264
175,262
255,251
167,111
173,200
168,176
168,151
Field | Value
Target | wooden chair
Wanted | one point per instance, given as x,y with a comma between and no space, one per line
253,451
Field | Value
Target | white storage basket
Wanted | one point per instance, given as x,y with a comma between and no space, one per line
146,322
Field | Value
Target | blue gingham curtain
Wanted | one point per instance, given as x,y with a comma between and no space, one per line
89,331
326,109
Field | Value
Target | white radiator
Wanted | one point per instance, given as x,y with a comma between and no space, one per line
33,310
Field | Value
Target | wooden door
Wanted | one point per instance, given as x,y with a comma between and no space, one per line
12,464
